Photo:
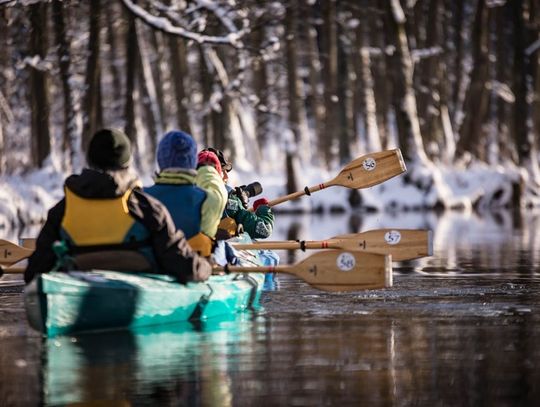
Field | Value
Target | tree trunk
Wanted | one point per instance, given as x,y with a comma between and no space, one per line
476,101
70,137
92,97
345,127
131,75
148,91
521,71
112,37
206,81
316,97
159,72
367,92
330,78
292,71
179,68
39,86
404,100
260,89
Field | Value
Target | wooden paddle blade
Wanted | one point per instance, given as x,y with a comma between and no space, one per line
11,253
338,270
402,244
28,243
371,169
11,270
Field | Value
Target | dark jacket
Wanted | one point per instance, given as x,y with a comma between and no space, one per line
170,248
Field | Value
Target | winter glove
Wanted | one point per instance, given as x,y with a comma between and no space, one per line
259,202
242,195
209,158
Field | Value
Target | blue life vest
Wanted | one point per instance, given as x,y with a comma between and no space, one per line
184,202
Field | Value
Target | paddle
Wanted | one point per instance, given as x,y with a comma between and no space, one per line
335,270
363,172
402,244
10,253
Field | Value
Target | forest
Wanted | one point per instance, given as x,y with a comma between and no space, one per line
454,84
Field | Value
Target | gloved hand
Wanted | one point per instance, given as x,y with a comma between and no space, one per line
259,202
240,193
209,158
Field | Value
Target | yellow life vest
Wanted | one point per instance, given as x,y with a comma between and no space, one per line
95,222
227,228
201,244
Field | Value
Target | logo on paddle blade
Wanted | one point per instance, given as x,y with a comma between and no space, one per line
346,261
392,237
369,164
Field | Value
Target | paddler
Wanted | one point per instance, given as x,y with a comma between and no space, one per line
258,223
106,221
192,190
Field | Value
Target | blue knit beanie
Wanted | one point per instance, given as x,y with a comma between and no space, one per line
177,149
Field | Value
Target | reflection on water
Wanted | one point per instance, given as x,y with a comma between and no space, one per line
164,365
460,328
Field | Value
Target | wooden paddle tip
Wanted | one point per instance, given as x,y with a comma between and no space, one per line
430,243
401,161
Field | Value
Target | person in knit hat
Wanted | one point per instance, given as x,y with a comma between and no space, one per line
191,189
106,221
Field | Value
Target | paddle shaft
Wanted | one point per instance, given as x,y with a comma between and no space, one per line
298,194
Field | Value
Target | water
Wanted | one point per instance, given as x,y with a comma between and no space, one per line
459,328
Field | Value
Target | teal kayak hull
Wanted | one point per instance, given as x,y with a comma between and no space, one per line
59,303
63,303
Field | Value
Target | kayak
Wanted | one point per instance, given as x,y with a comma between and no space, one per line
60,303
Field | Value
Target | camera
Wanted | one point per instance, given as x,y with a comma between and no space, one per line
244,192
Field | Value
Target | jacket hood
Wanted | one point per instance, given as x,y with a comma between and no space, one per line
94,184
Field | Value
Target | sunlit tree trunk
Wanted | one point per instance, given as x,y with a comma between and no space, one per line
366,89
476,101
92,98
69,138
521,71
206,83
330,78
345,128
260,89
131,75
315,83
179,69
380,70
148,91
292,71
459,35
114,26
162,79
404,100
39,86
5,67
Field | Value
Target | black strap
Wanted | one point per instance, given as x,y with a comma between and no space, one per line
307,191
302,244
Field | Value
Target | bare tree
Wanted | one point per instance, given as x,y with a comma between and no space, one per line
92,98
476,102
404,100
39,84
70,137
